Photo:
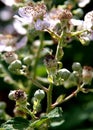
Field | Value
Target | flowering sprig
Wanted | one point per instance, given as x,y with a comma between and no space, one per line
23,58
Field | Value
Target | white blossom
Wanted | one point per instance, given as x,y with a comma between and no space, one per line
88,21
76,22
18,26
21,43
41,24
9,2
83,3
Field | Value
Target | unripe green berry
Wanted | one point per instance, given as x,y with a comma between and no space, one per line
15,65
39,94
63,73
2,105
78,12
76,66
72,80
27,60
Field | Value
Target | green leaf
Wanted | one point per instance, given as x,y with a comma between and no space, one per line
17,123
55,117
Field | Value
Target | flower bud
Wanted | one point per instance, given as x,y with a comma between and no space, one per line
15,65
87,74
39,94
63,73
10,57
11,95
78,12
18,95
27,60
72,80
76,66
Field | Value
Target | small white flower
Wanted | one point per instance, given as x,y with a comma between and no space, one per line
83,3
6,42
5,48
6,14
52,22
21,43
76,22
41,24
31,13
9,43
88,20
9,2
19,27
24,20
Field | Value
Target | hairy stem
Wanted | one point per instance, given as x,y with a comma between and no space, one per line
69,96
35,82
49,98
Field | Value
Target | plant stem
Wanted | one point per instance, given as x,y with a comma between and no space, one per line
24,108
59,51
69,97
49,97
38,84
78,32
38,54
54,35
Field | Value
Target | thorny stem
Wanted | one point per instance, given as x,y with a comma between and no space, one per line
69,97
49,97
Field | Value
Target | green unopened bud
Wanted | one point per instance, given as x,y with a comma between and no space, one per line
63,73
2,105
27,60
72,80
39,94
10,57
78,12
15,65
11,95
76,66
